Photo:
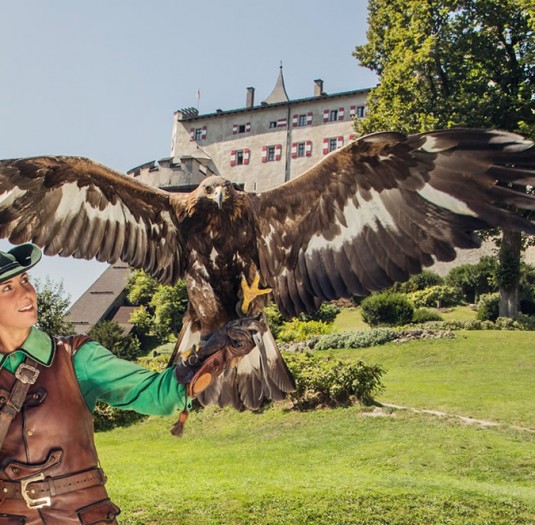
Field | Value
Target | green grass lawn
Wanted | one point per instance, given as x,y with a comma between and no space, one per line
354,465
482,374
351,318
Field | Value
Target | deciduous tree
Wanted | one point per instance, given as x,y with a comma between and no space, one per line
52,306
445,63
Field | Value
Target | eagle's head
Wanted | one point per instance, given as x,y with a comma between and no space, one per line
216,189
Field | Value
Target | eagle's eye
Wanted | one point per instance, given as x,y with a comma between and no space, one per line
209,189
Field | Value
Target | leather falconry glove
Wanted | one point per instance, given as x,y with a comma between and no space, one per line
200,365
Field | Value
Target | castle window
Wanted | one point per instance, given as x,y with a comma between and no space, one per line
302,120
271,153
198,133
360,111
241,128
239,157
333,115
273,124
301,149
332,143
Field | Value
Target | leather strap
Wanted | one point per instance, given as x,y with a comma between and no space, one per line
26,375
49,487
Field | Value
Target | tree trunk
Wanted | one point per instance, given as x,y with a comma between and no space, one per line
509,273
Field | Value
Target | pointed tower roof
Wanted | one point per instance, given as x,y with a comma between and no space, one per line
279,91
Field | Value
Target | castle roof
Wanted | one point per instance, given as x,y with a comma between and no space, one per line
279,91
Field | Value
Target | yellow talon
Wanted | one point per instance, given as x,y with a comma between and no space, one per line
251,292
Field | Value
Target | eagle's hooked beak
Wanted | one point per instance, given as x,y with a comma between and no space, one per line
219,196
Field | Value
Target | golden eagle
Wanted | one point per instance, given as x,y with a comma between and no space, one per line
369,214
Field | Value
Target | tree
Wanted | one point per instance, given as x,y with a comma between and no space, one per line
52,305
445,63
161,308
474,280
110,335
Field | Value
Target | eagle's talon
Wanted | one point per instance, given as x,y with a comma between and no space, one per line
250,293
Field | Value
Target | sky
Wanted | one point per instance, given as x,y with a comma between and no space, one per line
102,79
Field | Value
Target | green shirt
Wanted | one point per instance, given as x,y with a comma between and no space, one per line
104,377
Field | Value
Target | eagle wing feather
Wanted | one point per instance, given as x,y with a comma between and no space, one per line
383,207
73,206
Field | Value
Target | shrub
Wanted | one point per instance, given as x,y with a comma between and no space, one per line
420,281
296,330
274,318
107,417
506,323
526,289
156,363
488,307
474,280
325,382
356,339
327,313
436,296
387,309
423,315
526,321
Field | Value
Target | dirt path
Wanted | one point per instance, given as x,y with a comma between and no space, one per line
464,419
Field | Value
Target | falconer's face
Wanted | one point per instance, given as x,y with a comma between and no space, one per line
18,303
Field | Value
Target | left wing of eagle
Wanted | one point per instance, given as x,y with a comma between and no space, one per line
383,207
72,206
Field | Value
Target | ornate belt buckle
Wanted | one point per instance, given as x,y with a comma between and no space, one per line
33,503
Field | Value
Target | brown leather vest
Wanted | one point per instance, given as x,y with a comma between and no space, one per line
53,435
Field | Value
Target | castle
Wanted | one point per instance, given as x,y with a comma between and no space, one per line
257,147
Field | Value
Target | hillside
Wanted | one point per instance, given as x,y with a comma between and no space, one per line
351,466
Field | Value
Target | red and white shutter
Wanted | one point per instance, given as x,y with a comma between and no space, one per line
264,153
325,115
352,137
308,148
192,134
246,156
294,150
281,122
295,120
278,152
247,127
233,157
325,146
234,128
341,114
352,111
340,141
204,131
309,118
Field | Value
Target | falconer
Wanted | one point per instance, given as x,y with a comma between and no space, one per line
49,386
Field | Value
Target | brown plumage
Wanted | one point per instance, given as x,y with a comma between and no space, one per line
370,214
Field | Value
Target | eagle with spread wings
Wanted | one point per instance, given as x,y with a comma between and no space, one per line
368,215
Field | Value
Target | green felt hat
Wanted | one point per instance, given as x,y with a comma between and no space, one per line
18,260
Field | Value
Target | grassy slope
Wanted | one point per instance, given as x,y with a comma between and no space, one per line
486,375
344,466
